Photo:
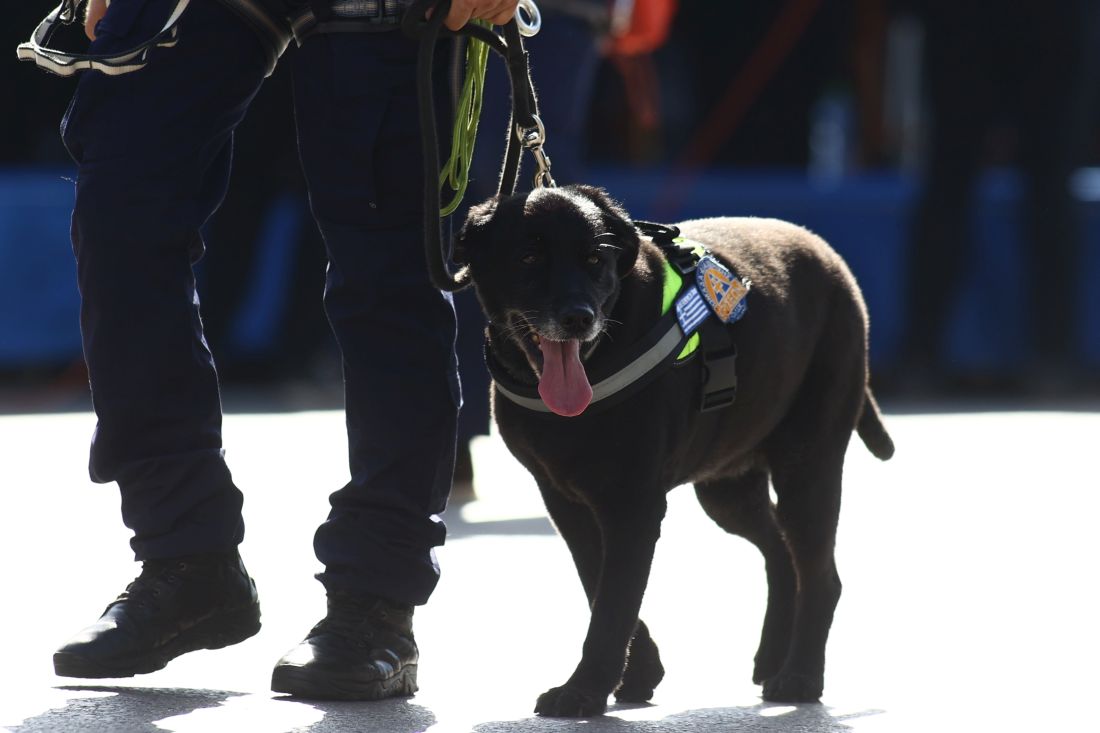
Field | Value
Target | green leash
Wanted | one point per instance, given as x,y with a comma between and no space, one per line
456,172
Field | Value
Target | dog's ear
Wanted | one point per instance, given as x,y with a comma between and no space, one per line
617,222
473,230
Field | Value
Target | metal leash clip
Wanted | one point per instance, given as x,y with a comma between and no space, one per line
533,139
529,25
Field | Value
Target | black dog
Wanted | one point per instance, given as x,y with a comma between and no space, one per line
569,286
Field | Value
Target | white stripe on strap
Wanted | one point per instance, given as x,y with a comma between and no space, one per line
67,64
617,381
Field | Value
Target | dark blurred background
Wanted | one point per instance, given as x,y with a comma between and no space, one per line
947,150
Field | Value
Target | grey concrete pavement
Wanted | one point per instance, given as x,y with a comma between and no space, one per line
970,597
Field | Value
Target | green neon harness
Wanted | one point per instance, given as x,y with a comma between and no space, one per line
674,284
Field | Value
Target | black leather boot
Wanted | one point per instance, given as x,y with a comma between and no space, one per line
362,650
174,606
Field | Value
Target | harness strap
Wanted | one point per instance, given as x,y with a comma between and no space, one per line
659,348
66,64
273,32
669,342
274,37
719,366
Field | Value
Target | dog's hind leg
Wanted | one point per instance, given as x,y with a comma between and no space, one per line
808,489
577,526
629,535
805,455
743,506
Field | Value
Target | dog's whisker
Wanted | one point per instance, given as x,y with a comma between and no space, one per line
517,331
605,329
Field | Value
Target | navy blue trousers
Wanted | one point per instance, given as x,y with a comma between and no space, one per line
153,150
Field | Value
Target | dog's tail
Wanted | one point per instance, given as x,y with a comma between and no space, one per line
871,430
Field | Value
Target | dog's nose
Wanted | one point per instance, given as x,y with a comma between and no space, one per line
578,318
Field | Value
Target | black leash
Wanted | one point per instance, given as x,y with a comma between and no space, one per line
524,127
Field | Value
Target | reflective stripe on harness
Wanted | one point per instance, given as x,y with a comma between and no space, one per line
639,367
67,64
273,32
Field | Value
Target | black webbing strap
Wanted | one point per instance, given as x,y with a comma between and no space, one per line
719,365
719,353
524,106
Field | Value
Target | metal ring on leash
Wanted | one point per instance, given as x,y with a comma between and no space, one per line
531,136
530,25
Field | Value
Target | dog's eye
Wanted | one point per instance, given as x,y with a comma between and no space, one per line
601,251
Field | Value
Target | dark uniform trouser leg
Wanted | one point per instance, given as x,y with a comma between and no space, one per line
356,109
153,150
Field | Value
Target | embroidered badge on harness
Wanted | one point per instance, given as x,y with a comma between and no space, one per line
722,290
716,290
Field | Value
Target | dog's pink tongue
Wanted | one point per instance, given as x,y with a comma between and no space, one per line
564,386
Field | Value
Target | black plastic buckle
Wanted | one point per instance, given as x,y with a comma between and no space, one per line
683,259
719,379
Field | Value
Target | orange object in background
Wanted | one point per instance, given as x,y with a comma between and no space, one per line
650,21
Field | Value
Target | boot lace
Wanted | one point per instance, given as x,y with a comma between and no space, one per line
357,620
155,577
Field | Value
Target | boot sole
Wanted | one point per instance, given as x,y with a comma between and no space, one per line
314,685
214,633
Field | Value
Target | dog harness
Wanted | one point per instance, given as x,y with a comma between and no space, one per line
67,64
701,297
274,31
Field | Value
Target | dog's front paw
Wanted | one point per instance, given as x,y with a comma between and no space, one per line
791,687
569,702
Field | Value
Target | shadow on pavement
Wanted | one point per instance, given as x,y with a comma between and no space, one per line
180,710
382,716
98,707
763,718
160,710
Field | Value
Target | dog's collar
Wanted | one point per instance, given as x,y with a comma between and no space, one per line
712,297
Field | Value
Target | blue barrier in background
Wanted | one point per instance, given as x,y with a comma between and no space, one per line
865,217
39,304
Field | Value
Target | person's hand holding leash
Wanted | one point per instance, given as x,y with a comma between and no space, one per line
497,12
